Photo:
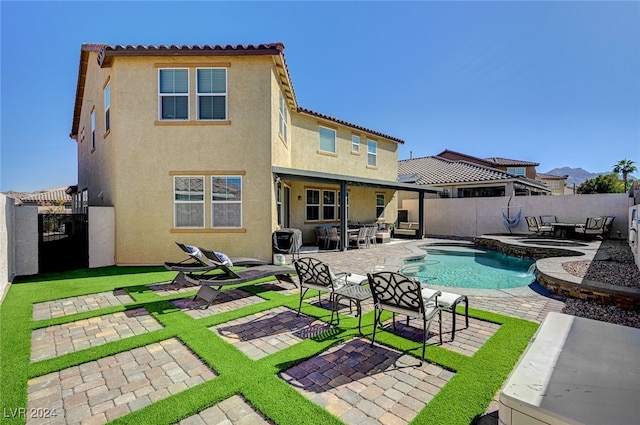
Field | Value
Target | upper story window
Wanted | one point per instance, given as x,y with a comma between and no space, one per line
519,171
355,143
93,129
107,107
554,184
173,89
188,197
283,119
372,153
327,139
226,201
212,93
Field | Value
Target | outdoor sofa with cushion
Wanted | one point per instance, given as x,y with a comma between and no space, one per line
406,228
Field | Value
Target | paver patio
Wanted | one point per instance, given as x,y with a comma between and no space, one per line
361,384
113,386
69,337
67,306
355,381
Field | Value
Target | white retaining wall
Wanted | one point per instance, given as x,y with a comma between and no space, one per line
470,217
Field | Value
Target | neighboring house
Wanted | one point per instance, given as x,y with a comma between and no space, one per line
511,166
207,145
556,184
55,200
464,179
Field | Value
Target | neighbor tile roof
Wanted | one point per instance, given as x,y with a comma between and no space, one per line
434,170
551,176
512,162
48,195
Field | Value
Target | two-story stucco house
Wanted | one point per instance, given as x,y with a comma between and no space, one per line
207,145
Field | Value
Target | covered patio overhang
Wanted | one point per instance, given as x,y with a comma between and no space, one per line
344,181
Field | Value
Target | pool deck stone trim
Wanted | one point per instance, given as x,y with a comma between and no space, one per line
551,274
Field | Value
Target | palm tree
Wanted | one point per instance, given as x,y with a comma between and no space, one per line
625,166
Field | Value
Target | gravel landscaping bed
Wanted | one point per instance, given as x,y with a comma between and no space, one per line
613,264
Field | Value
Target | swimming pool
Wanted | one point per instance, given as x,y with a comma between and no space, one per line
467,266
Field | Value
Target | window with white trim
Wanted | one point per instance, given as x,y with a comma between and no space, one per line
380,205
173,90
93,129
518,171
226,201
107,107
188,198
283,119
211,91
372,153
327,139
329,205
355,143
554,184
313,205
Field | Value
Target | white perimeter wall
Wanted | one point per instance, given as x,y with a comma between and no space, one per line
18,242
101,237
470,217
6,254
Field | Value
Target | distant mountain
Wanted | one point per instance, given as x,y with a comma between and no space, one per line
578,175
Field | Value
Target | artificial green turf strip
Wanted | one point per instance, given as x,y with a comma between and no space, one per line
466,396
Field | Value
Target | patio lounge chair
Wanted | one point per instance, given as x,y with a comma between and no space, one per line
546,220
536,228
449,301
594,226
400,294
211,286
200,261
314,274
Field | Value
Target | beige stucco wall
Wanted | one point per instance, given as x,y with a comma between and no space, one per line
133,166
469,217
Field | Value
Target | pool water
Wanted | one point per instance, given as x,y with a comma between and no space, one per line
466,266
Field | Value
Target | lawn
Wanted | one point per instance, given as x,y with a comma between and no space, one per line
465,397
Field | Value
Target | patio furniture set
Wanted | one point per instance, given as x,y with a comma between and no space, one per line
390,290
359,236
548,225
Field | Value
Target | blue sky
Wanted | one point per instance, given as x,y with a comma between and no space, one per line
552,82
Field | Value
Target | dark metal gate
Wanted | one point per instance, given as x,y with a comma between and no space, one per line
63,242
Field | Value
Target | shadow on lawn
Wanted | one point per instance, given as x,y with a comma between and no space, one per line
88,273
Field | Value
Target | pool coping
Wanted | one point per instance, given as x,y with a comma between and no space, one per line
552,275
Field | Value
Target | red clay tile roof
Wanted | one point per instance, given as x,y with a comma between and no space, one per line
491,161
348,124
173,50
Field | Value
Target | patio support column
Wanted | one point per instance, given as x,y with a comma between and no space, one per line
420,214
344,241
